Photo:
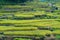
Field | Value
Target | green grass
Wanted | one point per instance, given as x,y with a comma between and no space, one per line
21,39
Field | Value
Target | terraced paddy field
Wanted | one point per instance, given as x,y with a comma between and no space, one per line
30,22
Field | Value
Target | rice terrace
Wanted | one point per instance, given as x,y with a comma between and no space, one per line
29,19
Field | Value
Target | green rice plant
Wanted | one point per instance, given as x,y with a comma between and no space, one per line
12,28
57,32
28,33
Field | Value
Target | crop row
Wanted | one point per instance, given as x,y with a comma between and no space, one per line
31,23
